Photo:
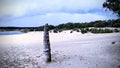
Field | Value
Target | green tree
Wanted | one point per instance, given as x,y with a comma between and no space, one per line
113,5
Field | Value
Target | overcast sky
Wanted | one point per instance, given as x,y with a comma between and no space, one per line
38,12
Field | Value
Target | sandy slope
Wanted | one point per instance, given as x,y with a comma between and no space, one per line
69,50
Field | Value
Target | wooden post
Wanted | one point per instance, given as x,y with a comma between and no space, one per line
47,49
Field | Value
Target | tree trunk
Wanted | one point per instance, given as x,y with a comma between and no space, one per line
47,49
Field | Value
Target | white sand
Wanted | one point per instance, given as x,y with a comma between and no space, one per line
69,50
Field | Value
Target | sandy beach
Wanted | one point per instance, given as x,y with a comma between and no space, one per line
69,50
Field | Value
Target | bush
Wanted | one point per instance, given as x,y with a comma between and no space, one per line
116,30
60,30
41,28
107,31
94,30
87,29
83,31
77,30
50,31
55,31
71,31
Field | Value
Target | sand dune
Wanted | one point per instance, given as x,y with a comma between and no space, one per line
69,50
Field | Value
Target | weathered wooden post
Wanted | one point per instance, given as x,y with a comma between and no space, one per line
47,49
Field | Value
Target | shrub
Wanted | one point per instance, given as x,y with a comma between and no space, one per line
77,30
71,31
55,31
41,28
50,31
87,29
60,30
94,30
116,30
83,31
107,31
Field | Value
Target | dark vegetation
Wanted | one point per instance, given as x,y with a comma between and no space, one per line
74,26
78,27
101,31
85,27
17,28
113,5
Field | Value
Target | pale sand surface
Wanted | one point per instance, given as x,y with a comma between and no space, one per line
69,50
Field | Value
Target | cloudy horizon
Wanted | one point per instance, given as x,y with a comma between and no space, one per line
38,12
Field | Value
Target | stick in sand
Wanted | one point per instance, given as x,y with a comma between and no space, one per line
47,49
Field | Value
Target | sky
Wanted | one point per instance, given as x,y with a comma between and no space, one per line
33,13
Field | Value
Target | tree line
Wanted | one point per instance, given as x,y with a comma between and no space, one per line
72,25
16,28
